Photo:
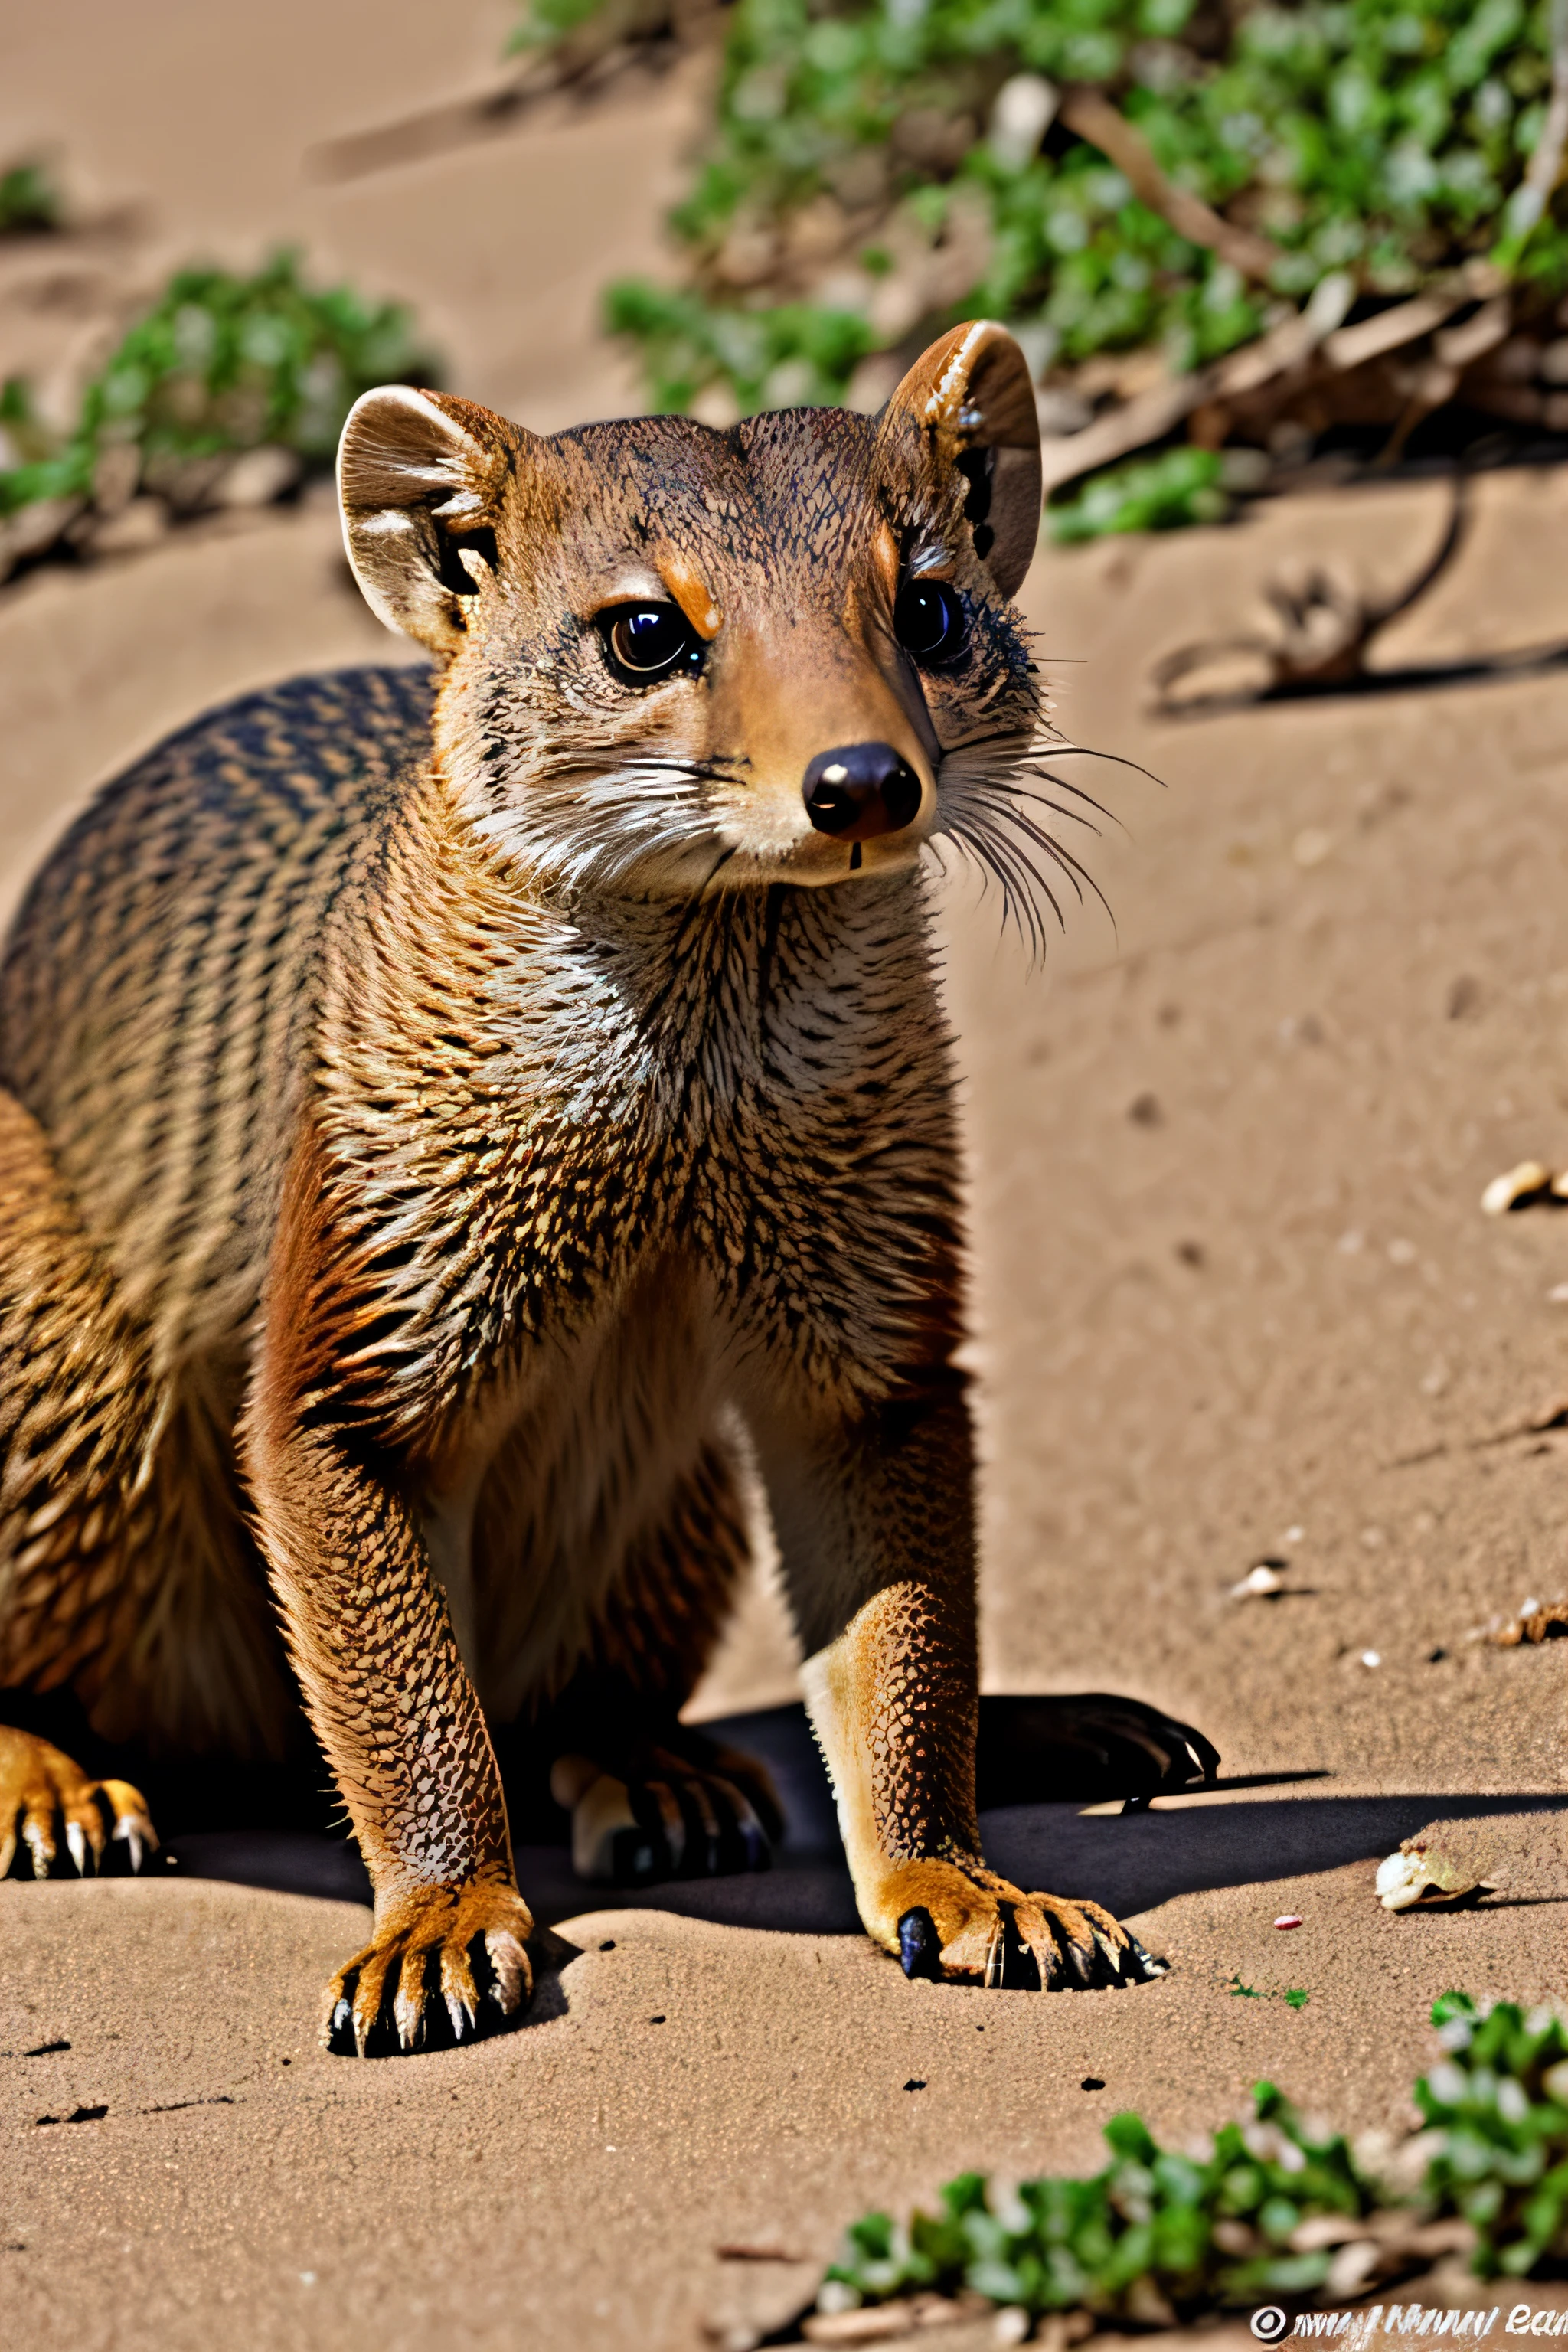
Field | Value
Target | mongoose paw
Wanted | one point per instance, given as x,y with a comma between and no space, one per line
685,1810
965,1924
46,1800
446,1965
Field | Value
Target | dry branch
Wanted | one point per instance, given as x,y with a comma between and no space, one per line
1545,166
1092,117
1157,412
1313,340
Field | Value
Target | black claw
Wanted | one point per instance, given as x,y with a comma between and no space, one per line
699,1857
1020,1967
1150,1965
638,1858
1053,1976
722,1835
647,1852
490,2015
1080,1958
341,2032
919,1949
1203,1752
383,2040
1109,1968
1068,1968
744,1844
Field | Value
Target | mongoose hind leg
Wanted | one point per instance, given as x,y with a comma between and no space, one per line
652,1798
46,1800
77,1412
666,1804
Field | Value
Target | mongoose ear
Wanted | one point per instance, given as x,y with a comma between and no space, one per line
421,477
971,398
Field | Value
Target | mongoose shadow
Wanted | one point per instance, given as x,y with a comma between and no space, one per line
1031,1798
280,1826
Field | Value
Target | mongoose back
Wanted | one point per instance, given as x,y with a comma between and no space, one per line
442,1109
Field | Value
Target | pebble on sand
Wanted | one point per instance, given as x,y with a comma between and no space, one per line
1537,1621
1260,1583
1516,1185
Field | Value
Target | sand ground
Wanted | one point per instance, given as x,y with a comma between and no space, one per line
1232,1297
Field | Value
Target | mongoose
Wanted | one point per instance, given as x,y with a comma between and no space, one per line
440,1107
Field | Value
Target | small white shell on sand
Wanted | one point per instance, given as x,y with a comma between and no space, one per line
1258,1583
1399,1882
1518,1184
1421,1876
1290,1919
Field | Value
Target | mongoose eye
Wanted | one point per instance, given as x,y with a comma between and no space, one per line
646,642
929,621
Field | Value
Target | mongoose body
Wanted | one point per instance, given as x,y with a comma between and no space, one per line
440,1107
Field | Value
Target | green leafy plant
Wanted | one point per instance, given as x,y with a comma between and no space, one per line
908,162
1498,2103
219,364
29,200
792,355
1157,2232
1180,485
1296,1997
1154,2228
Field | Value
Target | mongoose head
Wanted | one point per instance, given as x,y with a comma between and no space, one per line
679,659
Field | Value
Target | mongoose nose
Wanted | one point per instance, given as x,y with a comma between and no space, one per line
861,790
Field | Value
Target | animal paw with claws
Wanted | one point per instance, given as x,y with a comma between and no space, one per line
45,1798
445,1965
962,1923
681,1807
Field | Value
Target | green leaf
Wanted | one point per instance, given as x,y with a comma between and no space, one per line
1129,2136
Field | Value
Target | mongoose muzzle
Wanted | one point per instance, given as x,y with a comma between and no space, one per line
858,790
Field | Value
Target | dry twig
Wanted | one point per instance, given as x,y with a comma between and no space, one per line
1545,166
1092,117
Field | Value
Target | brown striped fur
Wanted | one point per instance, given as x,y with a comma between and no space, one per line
439,1110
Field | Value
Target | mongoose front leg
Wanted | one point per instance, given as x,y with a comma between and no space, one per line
371,1641
396,1715
878,1535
